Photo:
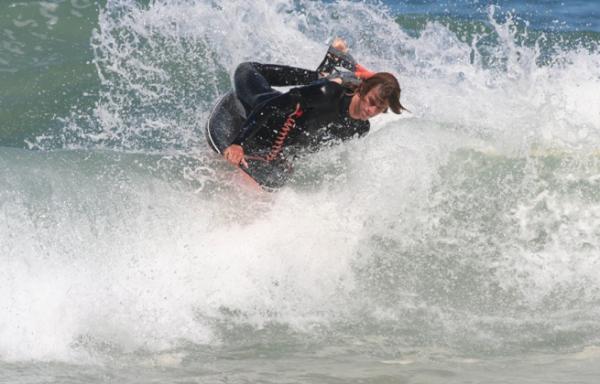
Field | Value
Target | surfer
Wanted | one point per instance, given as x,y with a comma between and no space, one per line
331,104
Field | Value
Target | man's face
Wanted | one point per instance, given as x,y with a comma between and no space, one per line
371,104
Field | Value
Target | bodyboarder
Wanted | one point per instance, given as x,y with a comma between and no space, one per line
328,105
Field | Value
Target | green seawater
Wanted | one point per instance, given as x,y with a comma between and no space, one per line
46,65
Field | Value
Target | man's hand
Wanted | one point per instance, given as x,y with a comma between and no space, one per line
235,155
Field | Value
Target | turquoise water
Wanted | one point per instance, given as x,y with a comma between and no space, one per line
457,243
546,15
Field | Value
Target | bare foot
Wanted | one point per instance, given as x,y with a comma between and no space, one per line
340,44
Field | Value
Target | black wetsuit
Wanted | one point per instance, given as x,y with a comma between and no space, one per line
279,125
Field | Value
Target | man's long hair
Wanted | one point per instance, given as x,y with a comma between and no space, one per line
389,89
